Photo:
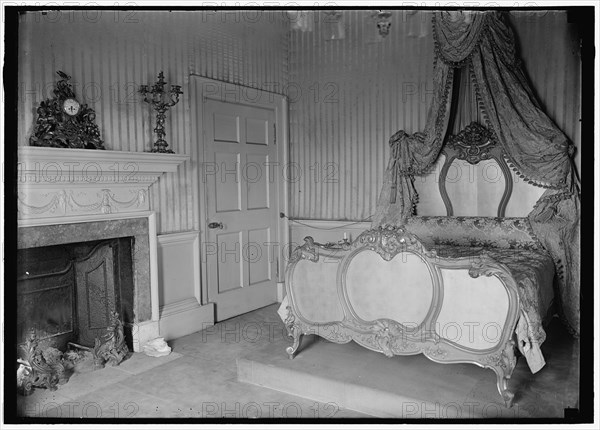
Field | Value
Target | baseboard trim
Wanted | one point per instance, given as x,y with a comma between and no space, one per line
185,317
180,306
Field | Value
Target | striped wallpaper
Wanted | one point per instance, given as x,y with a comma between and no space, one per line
382,85
110,53
355,93
346,96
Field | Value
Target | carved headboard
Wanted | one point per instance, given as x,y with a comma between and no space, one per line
474,146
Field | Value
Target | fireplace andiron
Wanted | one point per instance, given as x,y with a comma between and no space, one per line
39,367
48,367
111,348
155,97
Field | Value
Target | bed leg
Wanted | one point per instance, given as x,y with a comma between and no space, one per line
295,332
502,383
504,370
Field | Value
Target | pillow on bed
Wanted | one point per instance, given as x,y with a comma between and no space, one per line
509,233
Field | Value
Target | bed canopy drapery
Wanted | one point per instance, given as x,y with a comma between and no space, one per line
481,45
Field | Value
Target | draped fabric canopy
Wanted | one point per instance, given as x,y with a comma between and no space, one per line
482,45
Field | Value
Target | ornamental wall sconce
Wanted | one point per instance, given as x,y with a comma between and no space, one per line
333,25
161,101
301,20
383,22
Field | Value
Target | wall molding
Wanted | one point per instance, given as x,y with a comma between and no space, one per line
189,314
178,237
191,239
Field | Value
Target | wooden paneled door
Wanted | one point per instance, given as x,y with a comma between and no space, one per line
240,173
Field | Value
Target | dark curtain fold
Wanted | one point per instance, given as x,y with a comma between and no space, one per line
555,221
414,153
533,145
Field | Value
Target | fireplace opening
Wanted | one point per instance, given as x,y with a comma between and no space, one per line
66,292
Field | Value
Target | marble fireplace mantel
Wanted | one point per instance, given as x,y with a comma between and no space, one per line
59,183
71,195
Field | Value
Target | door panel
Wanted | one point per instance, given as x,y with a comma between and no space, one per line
257,131
257,181
227,189
226,128
229,261
240,212
256,253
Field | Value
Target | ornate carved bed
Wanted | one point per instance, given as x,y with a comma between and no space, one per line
465,289
456,289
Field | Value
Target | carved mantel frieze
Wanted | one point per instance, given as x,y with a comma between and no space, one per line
57,182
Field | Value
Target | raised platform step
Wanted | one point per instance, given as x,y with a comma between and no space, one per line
411,387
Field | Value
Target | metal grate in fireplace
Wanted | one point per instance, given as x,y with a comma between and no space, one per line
66,292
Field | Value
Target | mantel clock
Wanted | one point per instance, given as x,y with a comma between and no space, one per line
63,122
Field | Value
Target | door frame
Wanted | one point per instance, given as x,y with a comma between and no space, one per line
202,88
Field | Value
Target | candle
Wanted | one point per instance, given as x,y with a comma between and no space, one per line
345,236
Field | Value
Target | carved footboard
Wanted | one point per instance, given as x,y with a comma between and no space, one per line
386,292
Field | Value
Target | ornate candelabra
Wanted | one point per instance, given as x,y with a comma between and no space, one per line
156,97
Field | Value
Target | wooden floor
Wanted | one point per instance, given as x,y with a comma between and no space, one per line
200,380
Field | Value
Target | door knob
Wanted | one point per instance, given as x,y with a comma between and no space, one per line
215,225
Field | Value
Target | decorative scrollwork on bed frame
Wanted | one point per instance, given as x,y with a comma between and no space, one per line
386,335
475,143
